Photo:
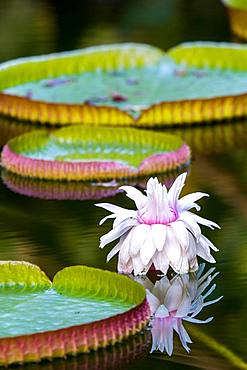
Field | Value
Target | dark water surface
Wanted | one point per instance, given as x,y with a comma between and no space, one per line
58,233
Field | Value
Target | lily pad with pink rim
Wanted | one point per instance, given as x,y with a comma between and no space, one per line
80,153
83,309
128,85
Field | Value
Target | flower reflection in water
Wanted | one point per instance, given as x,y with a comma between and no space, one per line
177,300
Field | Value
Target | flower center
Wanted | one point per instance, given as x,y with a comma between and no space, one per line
150,217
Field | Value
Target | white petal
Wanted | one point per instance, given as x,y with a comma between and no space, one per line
147,249
175,190
174,295
139,236
161,261
162,311
204,221
112,208
190,223
129,214
197,321
173,250
159,235
139,267
161,287
188,201
126,268
136,195
118,231
168,337
181,233
124,254
209,243
185,304
106,218
203,251
114,251
153,302
183,336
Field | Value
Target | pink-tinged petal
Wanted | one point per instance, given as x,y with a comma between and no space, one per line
156,333
139,236
175,190
161,261
147,249
162,312
168,336
135,194
173,250
204,221
117,232
159,236
188,201
181,234
157,207
162,335
153,302
190,223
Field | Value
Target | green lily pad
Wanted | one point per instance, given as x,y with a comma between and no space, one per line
237,11
80,300
79,153
128,84
238,4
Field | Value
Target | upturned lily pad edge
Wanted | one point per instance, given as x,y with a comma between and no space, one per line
172,155
164,113
80,338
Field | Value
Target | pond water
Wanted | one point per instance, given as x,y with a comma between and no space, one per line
58,233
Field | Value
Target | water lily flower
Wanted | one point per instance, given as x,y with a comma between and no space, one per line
174,301
162,231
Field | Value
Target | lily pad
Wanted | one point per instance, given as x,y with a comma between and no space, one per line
237,10
83,309
128,84
80,153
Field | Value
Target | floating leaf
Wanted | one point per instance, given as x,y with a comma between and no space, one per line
237,10
84,309
128,84
79,153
